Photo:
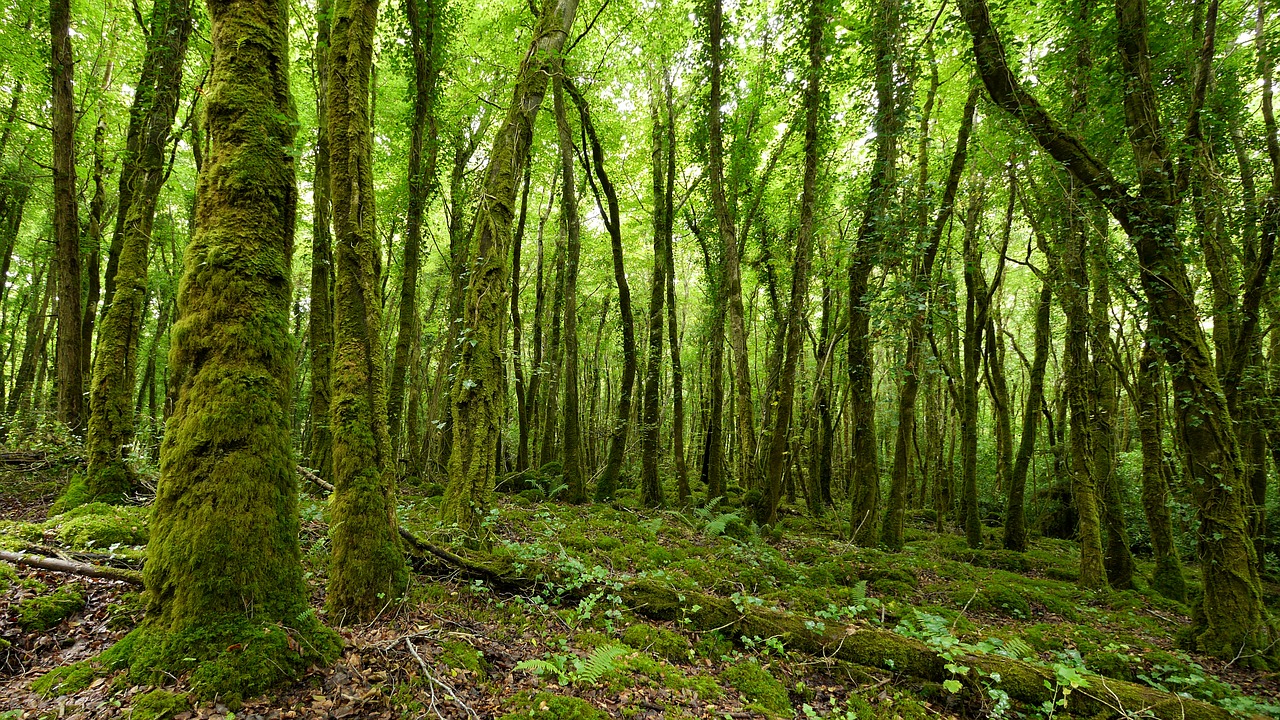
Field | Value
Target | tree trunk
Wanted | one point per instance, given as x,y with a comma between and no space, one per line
478,390
66,220
368,568
423,39
155,104
574,467
223,564
1015,516
668,250
797,308
650,482
1167,578
975,287
320,317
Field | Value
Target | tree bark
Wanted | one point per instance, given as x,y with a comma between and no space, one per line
320,317
574,467
66,220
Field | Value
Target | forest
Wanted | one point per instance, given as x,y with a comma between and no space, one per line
574,359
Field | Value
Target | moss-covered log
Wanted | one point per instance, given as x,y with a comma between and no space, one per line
225,596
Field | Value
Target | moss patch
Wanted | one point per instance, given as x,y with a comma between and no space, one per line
761,689
546,706
99,525
158,705
663,643
45,611
65,680
461,656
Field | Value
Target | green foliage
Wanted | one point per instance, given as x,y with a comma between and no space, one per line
664,643
460,655
42,612
574,670
65,680
761,689
100,526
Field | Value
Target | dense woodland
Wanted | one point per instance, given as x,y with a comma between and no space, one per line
919,322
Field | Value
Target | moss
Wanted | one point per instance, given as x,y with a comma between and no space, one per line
758,687
158,705
65,680
128,612
546,706
663,643
228,659
8,576
461,656
99,525
1115,665
76,494
42,612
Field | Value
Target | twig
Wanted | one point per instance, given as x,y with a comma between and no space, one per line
445,686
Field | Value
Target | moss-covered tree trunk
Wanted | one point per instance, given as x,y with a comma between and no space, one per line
66,220
155,103
478,390
1167,579
574,466
651,418
975,286
223,567
1117,558
368,569
320,314
1015,514
424,26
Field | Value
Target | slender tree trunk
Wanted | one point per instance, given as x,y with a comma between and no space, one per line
320,317
1167,578
423,40
668,249
797,307
574,467
975,287
478,390
1015,516
111,421
66,221
891,534
650,482
368,568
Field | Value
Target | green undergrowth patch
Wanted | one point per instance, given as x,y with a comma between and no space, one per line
548,706
42,612
158,705
763,691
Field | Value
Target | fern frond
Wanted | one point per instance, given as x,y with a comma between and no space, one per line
601,662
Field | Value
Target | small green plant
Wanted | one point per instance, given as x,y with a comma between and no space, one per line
573,670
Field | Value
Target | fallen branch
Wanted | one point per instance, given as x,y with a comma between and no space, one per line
132,577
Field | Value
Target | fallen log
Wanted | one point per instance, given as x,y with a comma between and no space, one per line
132,577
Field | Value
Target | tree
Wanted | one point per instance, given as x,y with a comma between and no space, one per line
368,568
223,566
66,222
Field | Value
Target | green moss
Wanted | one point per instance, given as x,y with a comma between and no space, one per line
1115,665
758,687
228,659
8,576
65,680
42,612
158,705
99,525
546,706
75,495
461,656
668,645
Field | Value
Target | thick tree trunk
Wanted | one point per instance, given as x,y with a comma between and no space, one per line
478,390
66,220
223,564
368,568
155,104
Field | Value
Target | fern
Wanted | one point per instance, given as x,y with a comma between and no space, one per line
717,525
602,661
541,667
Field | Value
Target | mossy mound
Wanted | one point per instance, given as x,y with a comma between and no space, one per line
228,659
42,612
158,705
99,525
668,645
762,690
8,576
546,706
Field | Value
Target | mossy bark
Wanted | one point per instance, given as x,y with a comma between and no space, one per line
368,569
574,466
1015,515
651,418
673,334
320,313
478,389
1167,578
225,596
66,220
155,104
975,286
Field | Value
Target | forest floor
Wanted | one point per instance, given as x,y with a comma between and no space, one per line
456,648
